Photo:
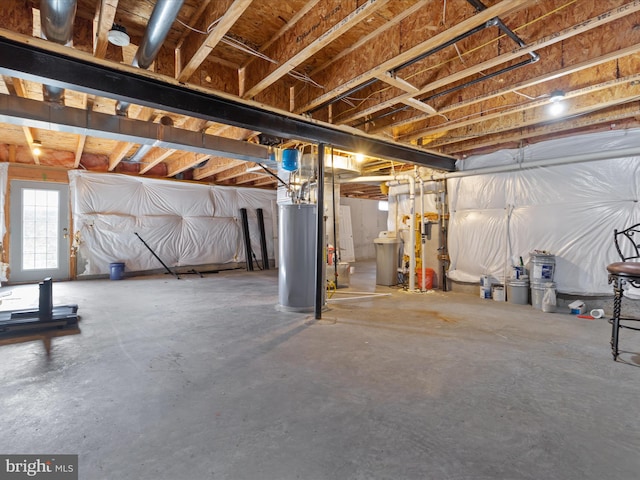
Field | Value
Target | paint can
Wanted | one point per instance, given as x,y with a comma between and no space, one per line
497,292
485,286
542,268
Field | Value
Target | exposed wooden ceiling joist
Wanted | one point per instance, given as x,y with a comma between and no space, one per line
546,41
229,14
379,69
447,104
289,54
105,16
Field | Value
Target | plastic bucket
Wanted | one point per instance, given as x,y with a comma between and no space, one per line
542,268
518,292
497,291
537,293
290,159
117,271
428,278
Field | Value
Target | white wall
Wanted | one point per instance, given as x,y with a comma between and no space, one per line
367,222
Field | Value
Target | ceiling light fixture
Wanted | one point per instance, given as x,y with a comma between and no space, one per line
36,147
557,105
118,36
556,96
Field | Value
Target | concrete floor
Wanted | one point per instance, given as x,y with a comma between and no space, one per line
202,378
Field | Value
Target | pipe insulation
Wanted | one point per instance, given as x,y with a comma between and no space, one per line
549,162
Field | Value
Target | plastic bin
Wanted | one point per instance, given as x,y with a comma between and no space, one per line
387,255
117,271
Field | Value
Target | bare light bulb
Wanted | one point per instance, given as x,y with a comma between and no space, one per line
556,108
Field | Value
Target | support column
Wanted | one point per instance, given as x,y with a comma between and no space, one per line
320,287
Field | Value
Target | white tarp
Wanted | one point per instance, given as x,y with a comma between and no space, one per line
569,210
185,224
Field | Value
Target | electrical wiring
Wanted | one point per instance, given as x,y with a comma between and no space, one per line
232,42
303,77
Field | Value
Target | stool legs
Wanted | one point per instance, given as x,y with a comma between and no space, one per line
615,324
617,307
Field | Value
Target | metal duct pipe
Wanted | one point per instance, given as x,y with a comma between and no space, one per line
140,153
56,25
145,148
164,14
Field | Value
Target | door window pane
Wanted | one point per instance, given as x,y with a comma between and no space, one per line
40,219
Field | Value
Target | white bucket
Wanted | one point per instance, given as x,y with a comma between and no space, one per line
485,292
537,293
518,292
542,268
497,292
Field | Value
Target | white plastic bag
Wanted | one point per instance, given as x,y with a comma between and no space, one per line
549,300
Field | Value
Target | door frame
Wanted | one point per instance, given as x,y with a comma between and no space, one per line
15,230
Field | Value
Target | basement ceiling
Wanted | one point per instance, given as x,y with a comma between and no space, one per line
433,80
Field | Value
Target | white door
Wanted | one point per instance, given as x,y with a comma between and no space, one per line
39,240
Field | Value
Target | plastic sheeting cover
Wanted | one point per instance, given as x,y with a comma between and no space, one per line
184,223
569,210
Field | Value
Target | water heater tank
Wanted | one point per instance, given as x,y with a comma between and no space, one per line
297,257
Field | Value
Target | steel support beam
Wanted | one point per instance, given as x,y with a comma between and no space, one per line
32,113
321,287
39,62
